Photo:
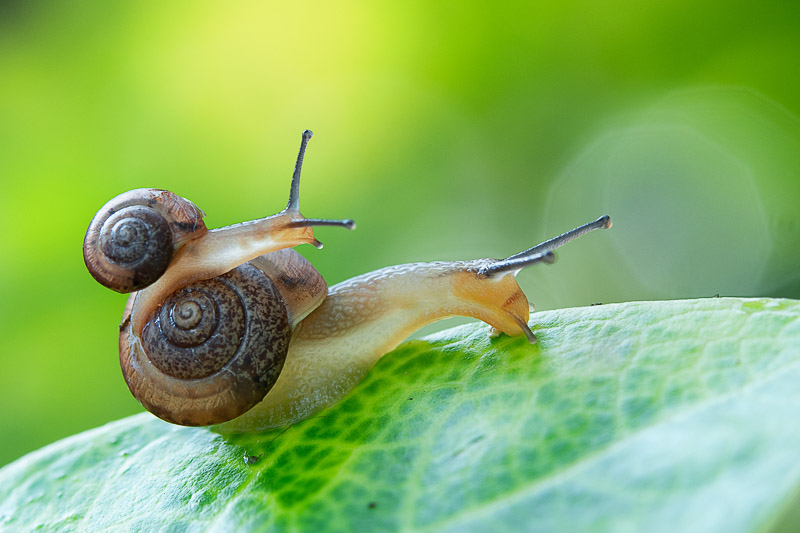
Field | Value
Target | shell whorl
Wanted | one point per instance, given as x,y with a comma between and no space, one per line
211,351
130,241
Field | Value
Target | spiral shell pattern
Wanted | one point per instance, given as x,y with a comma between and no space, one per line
212,350
130,241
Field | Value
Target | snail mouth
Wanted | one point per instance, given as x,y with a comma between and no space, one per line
498,301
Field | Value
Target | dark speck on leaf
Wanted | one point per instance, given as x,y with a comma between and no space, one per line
372,505
252,459
597,303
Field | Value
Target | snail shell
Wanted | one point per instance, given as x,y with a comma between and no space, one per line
214,348
131,240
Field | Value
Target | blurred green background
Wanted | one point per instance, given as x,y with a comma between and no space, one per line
447,130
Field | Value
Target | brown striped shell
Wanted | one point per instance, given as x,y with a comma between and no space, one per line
130,241
214,348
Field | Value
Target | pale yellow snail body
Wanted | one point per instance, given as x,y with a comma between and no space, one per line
231,327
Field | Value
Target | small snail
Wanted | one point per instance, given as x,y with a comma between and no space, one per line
232,327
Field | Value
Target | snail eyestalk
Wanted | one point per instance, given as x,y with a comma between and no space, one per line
293,207
294,192
604,222
518,262
347,223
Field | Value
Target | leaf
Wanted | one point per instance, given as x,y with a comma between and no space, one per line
644,416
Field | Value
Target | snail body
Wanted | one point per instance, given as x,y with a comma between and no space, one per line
367,316
241,331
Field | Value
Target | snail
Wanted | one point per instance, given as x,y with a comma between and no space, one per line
232,327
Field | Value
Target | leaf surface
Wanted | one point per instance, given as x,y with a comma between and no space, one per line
656,416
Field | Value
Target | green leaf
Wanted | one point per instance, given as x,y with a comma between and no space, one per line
645,416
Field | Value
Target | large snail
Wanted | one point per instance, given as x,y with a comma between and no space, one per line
231,326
